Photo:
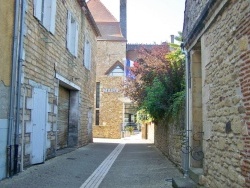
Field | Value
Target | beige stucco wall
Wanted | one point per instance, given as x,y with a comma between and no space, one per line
6,38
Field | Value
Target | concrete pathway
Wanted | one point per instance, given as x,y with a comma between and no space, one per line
106,163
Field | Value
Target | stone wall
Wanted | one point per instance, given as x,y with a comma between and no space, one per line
168,138
224,48
48,63
111,94
111,108
225,123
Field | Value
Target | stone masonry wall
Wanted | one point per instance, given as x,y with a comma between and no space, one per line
111,106
45,56
225,71
168,139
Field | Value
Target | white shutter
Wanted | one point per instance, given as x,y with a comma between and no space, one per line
68,30
38,9
76,41
53,17
89,55
47,14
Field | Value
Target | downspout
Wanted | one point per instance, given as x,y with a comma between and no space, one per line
19,77
187,129
22,131
13,89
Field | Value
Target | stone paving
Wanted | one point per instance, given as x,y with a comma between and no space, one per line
118,163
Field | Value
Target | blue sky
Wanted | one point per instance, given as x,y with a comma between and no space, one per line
150,21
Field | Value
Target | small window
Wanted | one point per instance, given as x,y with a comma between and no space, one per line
97,116
45,12
98,95
117,71
87,54
72,34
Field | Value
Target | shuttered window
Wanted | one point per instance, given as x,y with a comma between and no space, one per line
45,12
72,34
87,54
98,94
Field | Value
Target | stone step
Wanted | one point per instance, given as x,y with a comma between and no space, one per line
183,183
195,174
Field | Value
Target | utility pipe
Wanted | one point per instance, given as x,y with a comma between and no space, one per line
187,128
13,88
19,76
22,141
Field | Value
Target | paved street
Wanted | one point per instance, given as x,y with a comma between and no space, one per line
129,162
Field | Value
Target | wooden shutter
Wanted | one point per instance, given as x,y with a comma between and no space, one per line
76,40
68,30
53,17
38,9
49,15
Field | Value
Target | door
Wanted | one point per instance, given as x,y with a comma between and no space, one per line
63,118
38,117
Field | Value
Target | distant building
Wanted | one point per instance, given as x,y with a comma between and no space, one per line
110,57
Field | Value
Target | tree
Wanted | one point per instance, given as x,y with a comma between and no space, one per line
159,82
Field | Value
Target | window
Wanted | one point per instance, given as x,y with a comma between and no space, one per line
72,34
45,12
117,71
97,94
97,115
87,54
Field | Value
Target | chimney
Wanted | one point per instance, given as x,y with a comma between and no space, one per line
172,38
123,17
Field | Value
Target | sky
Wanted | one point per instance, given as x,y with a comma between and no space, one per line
150,21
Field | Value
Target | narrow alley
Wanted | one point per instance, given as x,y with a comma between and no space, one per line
128,162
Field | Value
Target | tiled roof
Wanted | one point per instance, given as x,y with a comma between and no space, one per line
100,12
108,25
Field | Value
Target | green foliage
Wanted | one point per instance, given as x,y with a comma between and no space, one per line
143,116
160,90
130,129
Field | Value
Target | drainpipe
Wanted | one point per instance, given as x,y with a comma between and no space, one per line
22,141
18,92
13,89
187,130
19,77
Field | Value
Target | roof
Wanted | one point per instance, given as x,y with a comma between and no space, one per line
108,25
146,46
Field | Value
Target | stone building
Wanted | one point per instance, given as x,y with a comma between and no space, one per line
48,84
111,53
217,42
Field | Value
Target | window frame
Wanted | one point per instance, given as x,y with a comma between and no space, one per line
45,12
87,53
72,34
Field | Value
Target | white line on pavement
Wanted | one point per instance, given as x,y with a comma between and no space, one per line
98,175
